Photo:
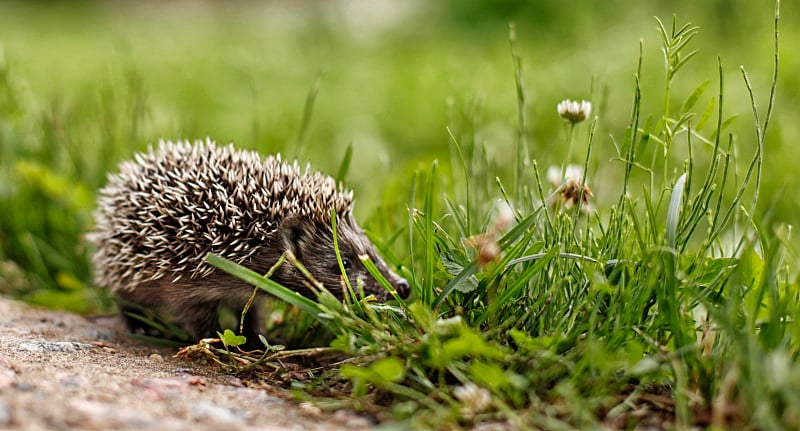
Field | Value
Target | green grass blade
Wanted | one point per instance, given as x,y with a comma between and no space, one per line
427,287
521,152
465,273
467,229
308,111
674,211
350,295
344,166
287,295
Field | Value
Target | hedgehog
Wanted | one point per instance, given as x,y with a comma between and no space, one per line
167,208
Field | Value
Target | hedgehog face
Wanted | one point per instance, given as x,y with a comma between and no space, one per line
312,244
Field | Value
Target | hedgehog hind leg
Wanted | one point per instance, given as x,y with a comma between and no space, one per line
200,321
136,317
149,320
160,309
139,311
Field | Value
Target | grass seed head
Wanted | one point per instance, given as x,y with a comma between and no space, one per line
572,188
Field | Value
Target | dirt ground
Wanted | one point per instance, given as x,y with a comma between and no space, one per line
59,371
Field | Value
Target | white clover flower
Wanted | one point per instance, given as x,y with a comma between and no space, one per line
504,217
574,111
475,399
569,187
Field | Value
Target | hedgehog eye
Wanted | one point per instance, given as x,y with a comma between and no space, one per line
346,263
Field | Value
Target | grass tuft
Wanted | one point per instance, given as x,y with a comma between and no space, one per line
567,319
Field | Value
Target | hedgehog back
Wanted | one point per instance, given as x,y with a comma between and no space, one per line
167,208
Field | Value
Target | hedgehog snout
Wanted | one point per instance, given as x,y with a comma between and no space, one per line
403,288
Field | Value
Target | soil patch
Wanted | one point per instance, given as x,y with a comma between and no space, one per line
60,371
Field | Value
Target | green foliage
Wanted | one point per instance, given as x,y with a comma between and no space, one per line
230,339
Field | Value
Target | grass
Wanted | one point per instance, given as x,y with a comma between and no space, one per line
583,320
671,300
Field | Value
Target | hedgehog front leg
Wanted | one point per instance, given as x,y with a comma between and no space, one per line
201,320
136,306
254,325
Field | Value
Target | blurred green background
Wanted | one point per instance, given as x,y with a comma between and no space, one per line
83,85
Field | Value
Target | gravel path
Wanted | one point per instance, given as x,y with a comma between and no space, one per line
59,371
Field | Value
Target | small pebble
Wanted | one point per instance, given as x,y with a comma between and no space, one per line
156,389
50,346
196,381
155,357
206,411
310,409
232,381
350,419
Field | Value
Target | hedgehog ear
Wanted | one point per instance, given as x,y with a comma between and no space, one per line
297,232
